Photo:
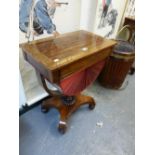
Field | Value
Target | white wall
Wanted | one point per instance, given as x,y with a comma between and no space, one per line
88,14
67,18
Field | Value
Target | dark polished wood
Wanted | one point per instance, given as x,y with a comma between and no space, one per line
59,58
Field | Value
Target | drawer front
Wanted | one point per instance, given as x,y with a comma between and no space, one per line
83,63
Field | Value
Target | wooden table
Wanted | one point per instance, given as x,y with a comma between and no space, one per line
58,58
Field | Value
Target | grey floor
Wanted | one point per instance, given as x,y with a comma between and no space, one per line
114,111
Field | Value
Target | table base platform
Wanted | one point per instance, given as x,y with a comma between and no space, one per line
66,110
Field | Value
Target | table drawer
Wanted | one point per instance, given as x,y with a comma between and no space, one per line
84,63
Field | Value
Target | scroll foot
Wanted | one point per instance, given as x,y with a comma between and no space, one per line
62,127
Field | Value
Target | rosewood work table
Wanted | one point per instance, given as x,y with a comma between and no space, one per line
56,59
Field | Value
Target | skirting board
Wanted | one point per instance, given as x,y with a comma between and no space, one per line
27,107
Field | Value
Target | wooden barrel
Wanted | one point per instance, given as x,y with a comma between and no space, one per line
117,65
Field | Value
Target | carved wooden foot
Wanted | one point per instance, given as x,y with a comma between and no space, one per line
66,110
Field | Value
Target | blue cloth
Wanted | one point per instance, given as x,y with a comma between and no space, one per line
41,16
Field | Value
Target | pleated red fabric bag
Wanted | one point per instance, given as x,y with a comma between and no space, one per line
80,80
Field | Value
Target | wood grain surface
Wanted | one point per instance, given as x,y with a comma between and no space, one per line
58,58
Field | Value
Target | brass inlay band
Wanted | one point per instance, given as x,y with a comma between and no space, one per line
125,57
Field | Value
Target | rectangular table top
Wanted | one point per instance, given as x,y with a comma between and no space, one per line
55,53
60,57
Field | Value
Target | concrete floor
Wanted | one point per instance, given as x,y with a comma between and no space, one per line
114,110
